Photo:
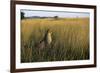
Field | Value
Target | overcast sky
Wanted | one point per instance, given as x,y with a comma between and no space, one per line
63,14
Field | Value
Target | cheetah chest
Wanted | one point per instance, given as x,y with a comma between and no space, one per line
49,39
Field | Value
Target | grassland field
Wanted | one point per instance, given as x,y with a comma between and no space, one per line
70,39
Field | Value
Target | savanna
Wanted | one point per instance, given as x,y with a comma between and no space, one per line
70,39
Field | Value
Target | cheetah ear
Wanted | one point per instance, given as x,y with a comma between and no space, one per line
48,29
51,32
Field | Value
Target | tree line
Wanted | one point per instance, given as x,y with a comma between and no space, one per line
23,16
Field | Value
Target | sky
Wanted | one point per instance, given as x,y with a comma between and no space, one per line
62,14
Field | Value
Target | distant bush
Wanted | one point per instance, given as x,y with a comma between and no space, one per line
22,15
56,17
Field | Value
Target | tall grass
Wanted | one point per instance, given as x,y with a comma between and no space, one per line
70,39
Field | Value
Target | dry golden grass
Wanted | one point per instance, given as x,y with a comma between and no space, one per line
70,39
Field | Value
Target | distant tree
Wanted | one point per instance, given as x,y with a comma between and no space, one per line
56,17
22,15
